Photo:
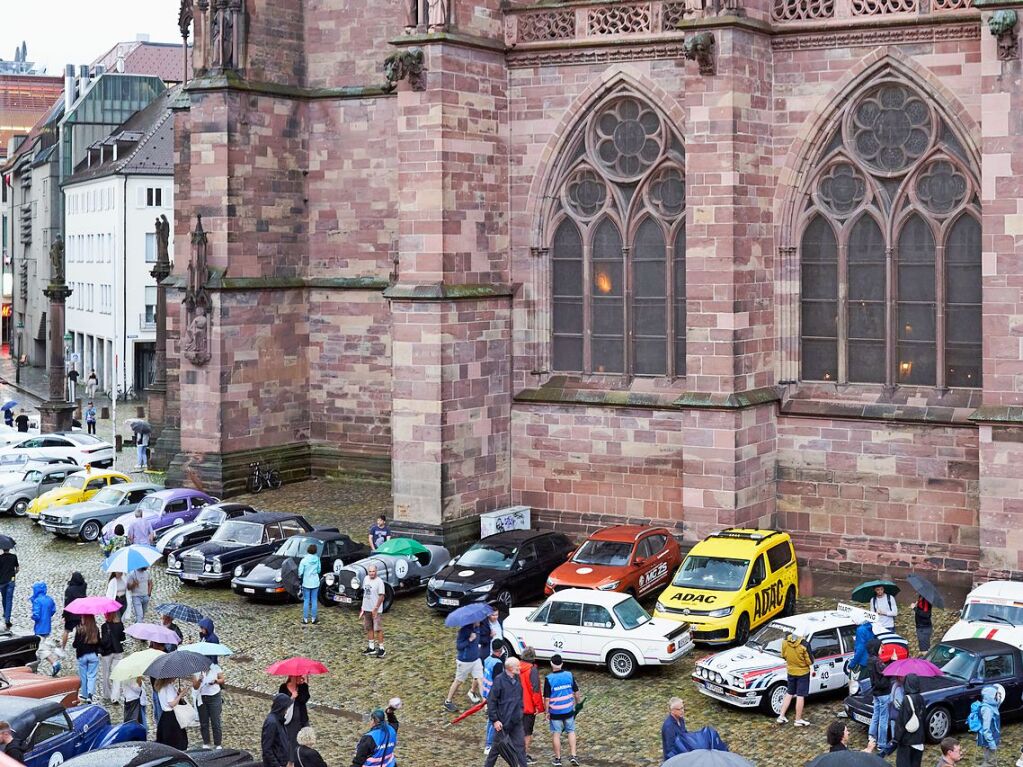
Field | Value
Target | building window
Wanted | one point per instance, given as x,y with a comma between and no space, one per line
154,197
617,247
890,249
150,247
149,318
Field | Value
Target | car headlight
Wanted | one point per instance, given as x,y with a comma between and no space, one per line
550,583
329,579
238,571
432,583
172,561
217,567
724,612
854,687
355,582
208,568
483,588
278,578
658,607
608,586
738,681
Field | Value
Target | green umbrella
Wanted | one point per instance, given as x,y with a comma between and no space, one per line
402,547
134,665
865,591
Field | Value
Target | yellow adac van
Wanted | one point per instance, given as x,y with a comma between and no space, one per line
730,583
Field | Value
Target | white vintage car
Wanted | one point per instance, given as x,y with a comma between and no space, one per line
598,627
754,675
993,610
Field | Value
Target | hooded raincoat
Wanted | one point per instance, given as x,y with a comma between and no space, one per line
75,589
43,609
864,633
990,734
206,631
274,738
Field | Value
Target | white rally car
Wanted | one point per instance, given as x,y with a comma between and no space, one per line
754,675
993,610
599,627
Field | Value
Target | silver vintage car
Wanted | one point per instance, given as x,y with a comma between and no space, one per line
16,492
86,519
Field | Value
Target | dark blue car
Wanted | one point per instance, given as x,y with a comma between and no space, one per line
969,665
52,734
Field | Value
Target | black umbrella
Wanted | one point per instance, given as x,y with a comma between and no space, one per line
503,745
705,758
289,578
179,663
926,589
848,759
6,543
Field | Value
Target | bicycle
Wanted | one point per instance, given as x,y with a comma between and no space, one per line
261,476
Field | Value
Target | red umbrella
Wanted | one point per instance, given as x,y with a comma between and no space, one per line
468,712
907,666
296,667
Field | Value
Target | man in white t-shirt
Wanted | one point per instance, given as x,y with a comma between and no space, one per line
373,590
884,605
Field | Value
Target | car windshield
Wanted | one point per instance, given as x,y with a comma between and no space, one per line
83,439
953,661
992,613
110,495
631,613
75,481
239,532
492,555
711,573
296,546
150,503
611,553
769,638
211,516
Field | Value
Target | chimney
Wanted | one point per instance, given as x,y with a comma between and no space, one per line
99,70
69,88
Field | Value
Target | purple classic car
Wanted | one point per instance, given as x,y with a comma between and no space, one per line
164,509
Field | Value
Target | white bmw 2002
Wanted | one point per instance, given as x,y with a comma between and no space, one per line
598,627
754,674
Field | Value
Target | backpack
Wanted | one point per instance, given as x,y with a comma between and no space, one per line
974,722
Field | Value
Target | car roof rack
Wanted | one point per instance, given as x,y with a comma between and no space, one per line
743,535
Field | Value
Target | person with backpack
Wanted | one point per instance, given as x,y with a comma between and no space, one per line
909,729
986,720
881,691
884,605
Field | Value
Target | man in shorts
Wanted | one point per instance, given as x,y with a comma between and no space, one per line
467,664
798,665
373,591
560,697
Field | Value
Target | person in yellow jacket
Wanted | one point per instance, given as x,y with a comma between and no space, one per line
797,665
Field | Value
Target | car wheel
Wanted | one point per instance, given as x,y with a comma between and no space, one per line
774,698
388,598
504,600
621,664
90,531
510,649
939,724
742,629
790,603
20,508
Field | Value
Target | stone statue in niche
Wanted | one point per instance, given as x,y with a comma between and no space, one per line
197,301
438,13
197,339
57,262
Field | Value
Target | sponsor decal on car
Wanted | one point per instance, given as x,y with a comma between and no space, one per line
647,579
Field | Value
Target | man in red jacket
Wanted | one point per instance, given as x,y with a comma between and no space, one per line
532,696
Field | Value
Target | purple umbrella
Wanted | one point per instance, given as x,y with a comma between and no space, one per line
150,632
907,666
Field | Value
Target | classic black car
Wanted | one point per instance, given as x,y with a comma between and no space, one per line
237,542
17,649
506,568
149,754
968,665
401,574
202,528
267,579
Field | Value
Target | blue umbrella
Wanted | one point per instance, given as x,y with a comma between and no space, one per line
9,405
180,612
129,558
211,649
466,616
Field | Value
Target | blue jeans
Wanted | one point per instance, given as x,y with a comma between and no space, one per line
139,605
879,721
88,666
490,733
142,455
309,603
7,592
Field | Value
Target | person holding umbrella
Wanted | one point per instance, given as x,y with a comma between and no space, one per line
76,588
117,589
141,429
883,603
8,408
168,731
86,644
210,712
930,597
296,687
909,727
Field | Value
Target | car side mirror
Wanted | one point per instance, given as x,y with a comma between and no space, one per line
520,565
639,561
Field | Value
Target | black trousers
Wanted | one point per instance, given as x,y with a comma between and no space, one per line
907,756
515,738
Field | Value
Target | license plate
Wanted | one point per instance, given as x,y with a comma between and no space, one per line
860,718
343,599
249,591
716,688
448,602
189,576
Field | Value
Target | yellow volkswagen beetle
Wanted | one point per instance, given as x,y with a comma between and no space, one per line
730,583
78,487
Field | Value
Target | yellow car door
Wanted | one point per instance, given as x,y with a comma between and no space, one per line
93,487
766,592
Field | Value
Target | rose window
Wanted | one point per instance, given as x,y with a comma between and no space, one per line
941,188
842,189
891,128
628,138
585,192
667,193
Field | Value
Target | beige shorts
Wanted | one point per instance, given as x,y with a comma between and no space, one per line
371,622
465,669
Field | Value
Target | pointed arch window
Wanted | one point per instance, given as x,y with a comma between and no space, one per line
890,249
617,246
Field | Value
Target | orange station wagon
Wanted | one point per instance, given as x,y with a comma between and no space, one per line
626,558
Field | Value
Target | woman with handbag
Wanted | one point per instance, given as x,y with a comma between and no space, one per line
909,728
297,687
170,730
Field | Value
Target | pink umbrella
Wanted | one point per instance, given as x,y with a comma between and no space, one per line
296,667
907,666
92,606
152,633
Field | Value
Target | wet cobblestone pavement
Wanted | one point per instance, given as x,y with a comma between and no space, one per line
619,727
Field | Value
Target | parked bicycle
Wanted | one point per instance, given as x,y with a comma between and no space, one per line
263,475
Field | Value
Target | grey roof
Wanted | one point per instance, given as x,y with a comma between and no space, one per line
145,144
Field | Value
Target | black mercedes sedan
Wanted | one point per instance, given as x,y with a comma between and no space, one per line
968,666
507,568
237,542
202,528
269,577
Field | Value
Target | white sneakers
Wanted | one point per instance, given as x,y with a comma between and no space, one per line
781,720
802,723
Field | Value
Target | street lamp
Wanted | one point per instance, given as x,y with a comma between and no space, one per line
17,359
